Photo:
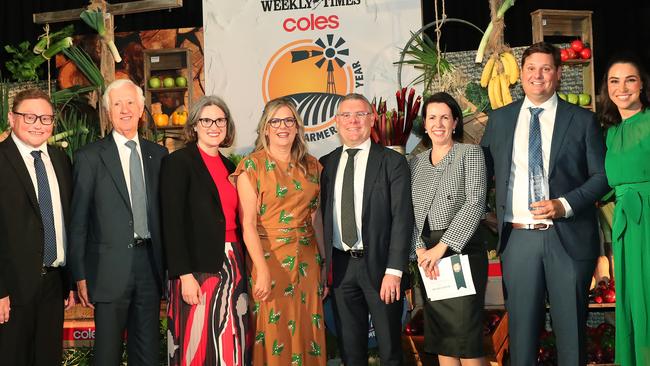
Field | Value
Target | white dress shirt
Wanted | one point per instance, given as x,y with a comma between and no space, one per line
517,209
360,165
57,208
125,156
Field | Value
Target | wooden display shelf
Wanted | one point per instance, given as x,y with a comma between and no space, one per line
165,90
568,24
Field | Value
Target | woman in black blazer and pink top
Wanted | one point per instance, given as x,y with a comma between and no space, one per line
207,313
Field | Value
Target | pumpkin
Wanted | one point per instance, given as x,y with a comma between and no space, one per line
179,118
161,119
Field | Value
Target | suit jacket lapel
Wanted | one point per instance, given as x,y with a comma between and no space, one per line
330,172
563,118
372,169
13,156
508,127
111,158
202,171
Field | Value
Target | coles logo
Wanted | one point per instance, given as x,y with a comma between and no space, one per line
312,22
315,74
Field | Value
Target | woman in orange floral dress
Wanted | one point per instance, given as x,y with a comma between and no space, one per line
278,186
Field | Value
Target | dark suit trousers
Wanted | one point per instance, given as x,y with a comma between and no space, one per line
355,296
34,333
137,311
535,263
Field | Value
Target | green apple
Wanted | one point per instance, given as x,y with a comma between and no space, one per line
168,82
584,99
572,98
155,82
561,96
181,82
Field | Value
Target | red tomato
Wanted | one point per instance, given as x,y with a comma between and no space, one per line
585,53
577,45
564,55
571,53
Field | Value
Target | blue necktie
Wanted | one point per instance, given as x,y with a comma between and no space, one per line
47,214
535,160
138,194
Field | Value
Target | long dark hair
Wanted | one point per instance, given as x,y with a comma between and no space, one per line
608,113
456,114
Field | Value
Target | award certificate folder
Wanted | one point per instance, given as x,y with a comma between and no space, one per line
455,279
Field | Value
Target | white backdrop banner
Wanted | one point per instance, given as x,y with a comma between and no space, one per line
312,51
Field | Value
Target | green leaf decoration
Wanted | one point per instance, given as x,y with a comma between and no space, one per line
315,349
296,359
258,185
302,269
267,255
250,164
280,191
313,203
289,261
262,209
259,338
319,259
297,185
292,326
277,348
269,165
250,281
321,290
285,217
289,290
315,319
303,297
286,230
303,229
274,317
304,241
283,240
312,178
256,307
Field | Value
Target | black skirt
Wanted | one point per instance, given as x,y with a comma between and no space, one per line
454,327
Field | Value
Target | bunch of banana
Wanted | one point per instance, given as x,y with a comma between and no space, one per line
499,73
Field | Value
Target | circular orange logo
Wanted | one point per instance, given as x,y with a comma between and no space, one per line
314,74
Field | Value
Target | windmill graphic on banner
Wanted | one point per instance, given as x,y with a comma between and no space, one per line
318,106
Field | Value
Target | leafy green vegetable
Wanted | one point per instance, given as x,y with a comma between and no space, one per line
19,66
477,96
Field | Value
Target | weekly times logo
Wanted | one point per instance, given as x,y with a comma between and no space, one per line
315,74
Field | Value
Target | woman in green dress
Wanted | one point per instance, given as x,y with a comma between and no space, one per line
624,111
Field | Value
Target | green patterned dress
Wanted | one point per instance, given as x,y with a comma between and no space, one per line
289,328
627,165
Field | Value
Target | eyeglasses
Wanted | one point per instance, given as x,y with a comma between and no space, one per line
31,118
288,122
349,115
208,122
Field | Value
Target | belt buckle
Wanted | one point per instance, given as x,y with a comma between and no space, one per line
356,254
43,271
543,227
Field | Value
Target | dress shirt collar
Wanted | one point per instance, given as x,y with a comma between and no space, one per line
364,146
121,140
549,104
25,149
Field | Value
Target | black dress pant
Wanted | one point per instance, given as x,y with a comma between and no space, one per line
33,336
137,311
355,297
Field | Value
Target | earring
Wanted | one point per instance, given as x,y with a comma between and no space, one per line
453,131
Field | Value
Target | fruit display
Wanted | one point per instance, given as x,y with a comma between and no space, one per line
604,292
156,82
582,99
160,119
179,118
600,346
576,51
499,73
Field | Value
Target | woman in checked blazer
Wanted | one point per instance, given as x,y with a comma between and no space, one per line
448,191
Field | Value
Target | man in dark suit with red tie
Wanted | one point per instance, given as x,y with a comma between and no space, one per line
34,209
367,222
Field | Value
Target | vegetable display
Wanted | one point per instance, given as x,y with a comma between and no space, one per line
394,127
95,20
